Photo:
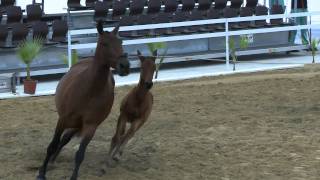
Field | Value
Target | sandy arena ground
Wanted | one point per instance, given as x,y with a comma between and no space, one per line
259,126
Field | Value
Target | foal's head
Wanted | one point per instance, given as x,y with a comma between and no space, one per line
110,47
148,66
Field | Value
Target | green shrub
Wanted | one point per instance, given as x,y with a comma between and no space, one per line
156,46
314,48
74,58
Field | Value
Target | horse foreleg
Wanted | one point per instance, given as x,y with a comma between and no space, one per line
50,150
65,140
87,134
135,125
121,129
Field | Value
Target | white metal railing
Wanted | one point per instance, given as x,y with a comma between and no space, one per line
225,34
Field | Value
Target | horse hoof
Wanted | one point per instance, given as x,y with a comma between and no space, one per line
111,163
74,177
116,157
41,178
102,172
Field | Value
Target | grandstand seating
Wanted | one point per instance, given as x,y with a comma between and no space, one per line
137,6
179,17
214,14
260,11
119,8
276,9
90,3
204,5
14,14
154,6
170,5
236,3
108,2
74,3
162,17
6,3
19,33
188,5
127,21
220,4
40,29
172,12
143,20
3,35
251,3
30,26
140,12
59,31
245,12
100,10
194,16
34,13
209,9
230,12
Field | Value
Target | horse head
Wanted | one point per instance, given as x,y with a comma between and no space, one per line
148,66
111,51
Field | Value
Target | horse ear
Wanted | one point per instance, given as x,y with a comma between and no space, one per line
155,53
116,29
140,56
139,53
100,27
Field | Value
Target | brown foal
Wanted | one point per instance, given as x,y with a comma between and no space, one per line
135,107
84,97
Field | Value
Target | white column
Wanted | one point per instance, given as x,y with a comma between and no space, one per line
69,51
227,43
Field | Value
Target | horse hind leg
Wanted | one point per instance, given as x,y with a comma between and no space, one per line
67,136
87,135
50,150
116,139
135,125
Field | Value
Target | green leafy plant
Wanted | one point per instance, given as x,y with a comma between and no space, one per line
162,57
244,42
314,48
233,52
74,58
156,46
27,52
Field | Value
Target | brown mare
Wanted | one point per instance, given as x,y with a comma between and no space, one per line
84,97
135,107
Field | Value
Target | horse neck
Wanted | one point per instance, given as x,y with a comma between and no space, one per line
100,59
141,91
99,70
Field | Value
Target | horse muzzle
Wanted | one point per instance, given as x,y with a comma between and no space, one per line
123,67
148,85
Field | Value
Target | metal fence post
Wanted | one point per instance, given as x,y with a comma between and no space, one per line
227,43
69,50
69,40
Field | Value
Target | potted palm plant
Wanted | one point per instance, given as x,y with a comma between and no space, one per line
27,52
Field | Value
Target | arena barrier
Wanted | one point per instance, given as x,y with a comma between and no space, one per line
226,34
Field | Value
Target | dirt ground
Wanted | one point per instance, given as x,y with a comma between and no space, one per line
262,126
